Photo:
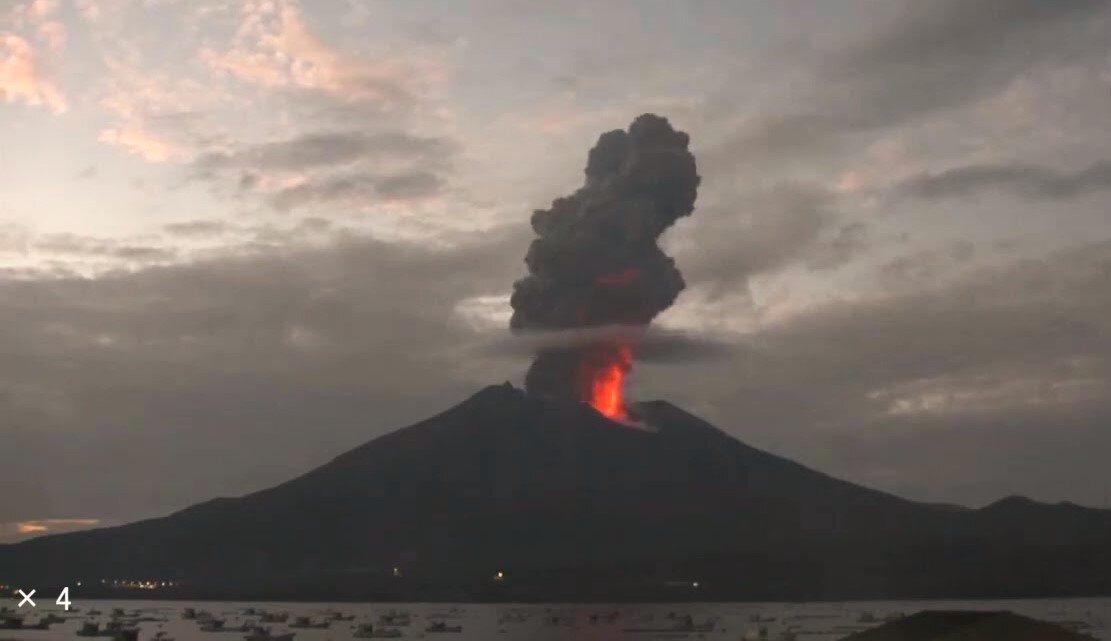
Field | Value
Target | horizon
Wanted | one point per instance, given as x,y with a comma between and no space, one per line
240,239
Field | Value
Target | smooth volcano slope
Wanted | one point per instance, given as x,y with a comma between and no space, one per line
572,505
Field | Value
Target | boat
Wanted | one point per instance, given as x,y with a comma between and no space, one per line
125,634
259,633
212,626
339,616
45,622
307,624
189,614
11,623
440,626
368,631
395,618
274,617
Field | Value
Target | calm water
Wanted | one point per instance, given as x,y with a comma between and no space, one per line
814,621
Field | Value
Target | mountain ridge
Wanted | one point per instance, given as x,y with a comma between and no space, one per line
579,506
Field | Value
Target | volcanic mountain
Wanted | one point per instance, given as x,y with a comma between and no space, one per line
569,505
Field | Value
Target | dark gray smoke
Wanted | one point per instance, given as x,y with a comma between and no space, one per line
595,261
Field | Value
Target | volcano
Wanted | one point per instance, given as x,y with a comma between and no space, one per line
512,496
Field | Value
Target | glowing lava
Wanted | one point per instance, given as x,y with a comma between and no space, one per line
607,379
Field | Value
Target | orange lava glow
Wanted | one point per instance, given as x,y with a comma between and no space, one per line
620,278
606,385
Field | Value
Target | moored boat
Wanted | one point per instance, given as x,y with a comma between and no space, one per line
258,633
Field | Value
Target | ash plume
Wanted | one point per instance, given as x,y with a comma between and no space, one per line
595,261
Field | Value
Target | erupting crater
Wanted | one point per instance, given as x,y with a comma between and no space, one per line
595,261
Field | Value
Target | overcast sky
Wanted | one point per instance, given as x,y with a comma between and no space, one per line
240,238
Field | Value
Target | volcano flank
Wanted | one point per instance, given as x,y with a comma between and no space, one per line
573,506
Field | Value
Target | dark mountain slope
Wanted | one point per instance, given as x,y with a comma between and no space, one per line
573,505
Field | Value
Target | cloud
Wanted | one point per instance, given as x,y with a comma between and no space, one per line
19,530
947,53
197,228
1025,180
134,138
277,48
932,57
53,34
334,167
52,525
21,78
748,233
74,244
325,149
359,188
1012,358
355,339
157,114
653,345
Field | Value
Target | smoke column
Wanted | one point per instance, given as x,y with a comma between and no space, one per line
595,261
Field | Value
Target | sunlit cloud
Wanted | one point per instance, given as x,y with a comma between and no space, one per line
276,48
23,529
137,140
22,79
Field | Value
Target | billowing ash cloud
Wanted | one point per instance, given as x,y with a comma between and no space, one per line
595,261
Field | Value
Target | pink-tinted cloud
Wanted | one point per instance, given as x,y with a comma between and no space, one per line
26,529
52,34
41,9
156,115
39,17
21,78
137,140
276,48
47,525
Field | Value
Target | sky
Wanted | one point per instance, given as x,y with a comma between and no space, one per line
240,238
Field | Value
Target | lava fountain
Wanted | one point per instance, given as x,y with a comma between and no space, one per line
606,379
